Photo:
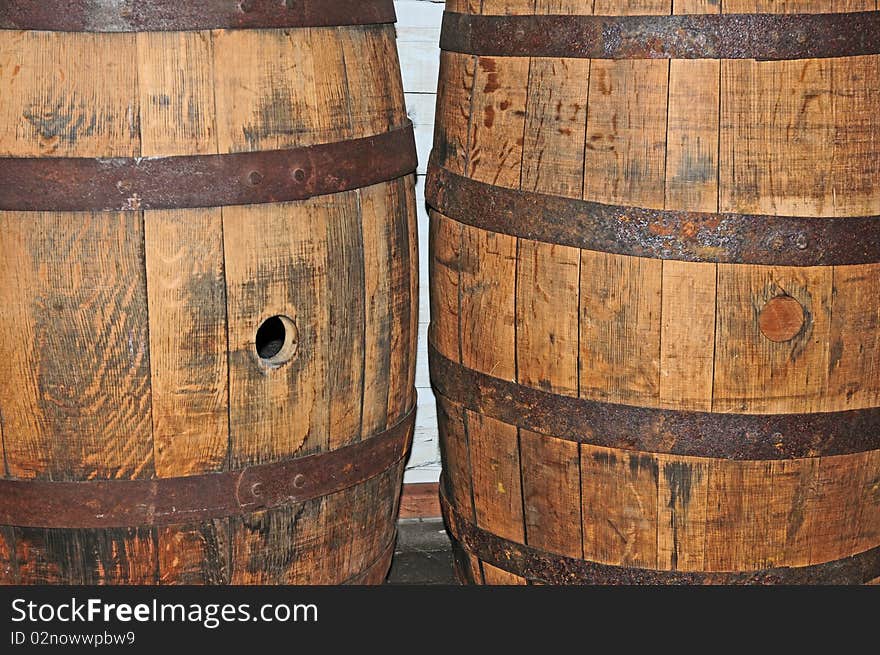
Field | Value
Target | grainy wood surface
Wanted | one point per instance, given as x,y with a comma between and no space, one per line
129,339
789,137
420,500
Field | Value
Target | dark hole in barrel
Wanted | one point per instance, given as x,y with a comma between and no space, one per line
277,340
270,337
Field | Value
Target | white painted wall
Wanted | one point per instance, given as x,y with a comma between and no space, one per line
418,38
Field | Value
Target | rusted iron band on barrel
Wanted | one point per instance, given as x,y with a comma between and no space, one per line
655,233
541,566
168,501
703,36
245,178
176,16
647,429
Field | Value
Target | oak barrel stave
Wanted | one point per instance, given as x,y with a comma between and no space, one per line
129,337
695,331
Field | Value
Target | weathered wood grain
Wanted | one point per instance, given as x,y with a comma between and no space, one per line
754,374
487,302
456,456
625,158
551,493
495,463
277,411
266,94
779,124
75,378
621,302
420,500
8,556
445,280
770,137
495,576
547,317
620,505
547,282
510,7
682,493
86,557
692,134
280,547
555,126
187,298
60,98
454,105
132,336
854,362
696,7
378,227
468,569
197,554
377,103
346,284
496,128
175,78
413,292
403,299
687,348
868,518
346,322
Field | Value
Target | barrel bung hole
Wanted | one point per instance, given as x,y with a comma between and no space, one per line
276,340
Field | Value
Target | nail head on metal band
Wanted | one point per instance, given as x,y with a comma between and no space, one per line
655,233
176,16
647,429
703,36
170,501
244,178
550,568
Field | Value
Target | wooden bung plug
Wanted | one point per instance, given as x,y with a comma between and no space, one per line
781,318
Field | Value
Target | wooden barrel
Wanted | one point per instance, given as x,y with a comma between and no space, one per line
207,291
656,290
